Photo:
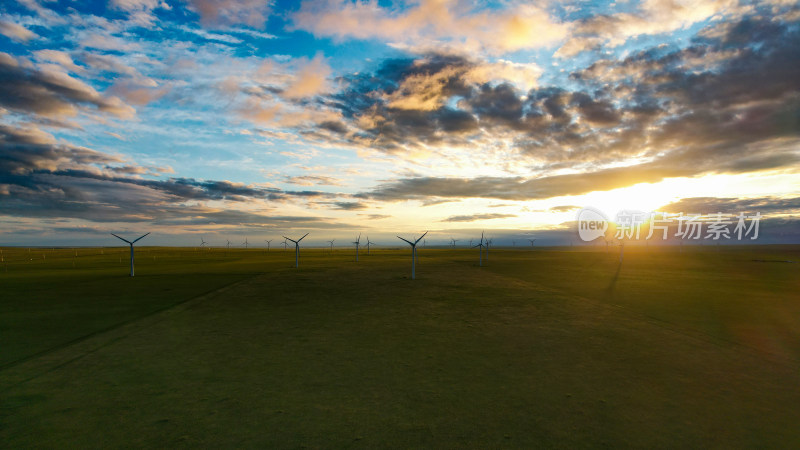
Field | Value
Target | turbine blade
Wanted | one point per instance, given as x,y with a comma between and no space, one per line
140,237
304,236
420,238
409,242
120,238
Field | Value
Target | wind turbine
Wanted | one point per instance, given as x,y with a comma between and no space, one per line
488,243
532,241
368,244
296,249
413,253
480,250
268,241
285,244
229,244
331,242
358,243
453,242
131,244
245,243
202,242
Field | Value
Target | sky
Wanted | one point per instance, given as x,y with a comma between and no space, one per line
245,119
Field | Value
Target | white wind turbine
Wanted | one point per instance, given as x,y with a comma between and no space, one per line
202,242
368,244
331,242
245,243
532,241
453,242
357,242
285,244
413,253
488,243
296,249
131,244
480,250
268,241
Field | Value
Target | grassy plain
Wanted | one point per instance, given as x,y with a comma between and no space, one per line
542,347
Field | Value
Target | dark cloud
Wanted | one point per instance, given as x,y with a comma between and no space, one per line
711,205
50,93
349,206
476,217
44,178
700,110
727,103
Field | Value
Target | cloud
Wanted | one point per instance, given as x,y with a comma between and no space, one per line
653,115
349,206
311,180
59,57
311,79
140,12
43,177
16,32
652,17
222,13
709,205
51,92
434,24
564,208
477,217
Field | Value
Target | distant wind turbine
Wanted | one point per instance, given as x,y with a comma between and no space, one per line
532,241
413,253
488,243
202,242
245,243
331,242
285,244
453,242
229,244
368,244
296,249
131,244
268,241
480,250
357,242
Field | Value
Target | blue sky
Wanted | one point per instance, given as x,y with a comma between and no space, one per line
235,118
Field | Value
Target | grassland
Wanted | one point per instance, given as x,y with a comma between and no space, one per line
544,348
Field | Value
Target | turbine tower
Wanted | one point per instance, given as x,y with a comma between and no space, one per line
488,243
413,253
131,244
296,249
480,251
358,243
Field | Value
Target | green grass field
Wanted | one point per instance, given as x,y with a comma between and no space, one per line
538,348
